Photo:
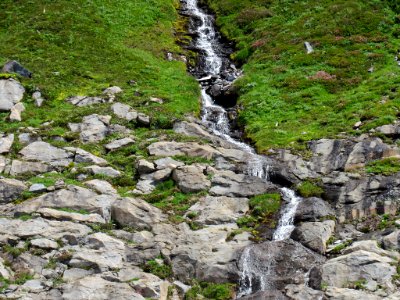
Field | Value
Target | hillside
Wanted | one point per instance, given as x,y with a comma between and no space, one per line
289,96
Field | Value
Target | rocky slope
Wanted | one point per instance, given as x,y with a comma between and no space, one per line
69,230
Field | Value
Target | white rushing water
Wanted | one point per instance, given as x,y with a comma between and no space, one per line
252,278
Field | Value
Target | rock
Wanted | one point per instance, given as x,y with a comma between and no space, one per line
93,129
124,111
84,100
5,272
112,92
10,190
26,167
96,288
114,145
74,274
314,235
143,119
136,213
33,285
302,292
43,228
313,209
217,210
228,183
37,96
73,197
182,149
37,188
106,171
27,138
44,244
371,246
191,179
359,265
392,241
193,129
167,162
156,100
11,92
144,167
16,68
276,264
335,293
3,163
6,142
266,295
44,152
70,216
101,187
357,125
389,130
16,111
82,156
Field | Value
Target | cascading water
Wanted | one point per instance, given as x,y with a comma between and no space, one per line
215,117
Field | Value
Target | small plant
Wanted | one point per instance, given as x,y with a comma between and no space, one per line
387,166
161,270
217,291
308,189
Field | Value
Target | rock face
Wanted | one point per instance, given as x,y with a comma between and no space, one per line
11,92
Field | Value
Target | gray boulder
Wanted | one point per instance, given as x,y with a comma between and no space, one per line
44,152
93,129
145,167
182,149
167,162
392,241
6,142
106,171
116,144
124,111
19,167
101,187
11,92
16,68
11,189
191,179
313,209
82,156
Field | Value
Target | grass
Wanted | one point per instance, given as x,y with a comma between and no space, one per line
217,291
161,270
308,189
82,51
290,97
19,279
387,166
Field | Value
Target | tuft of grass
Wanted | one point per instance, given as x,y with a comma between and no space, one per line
387,166
161,270
308,189
217,291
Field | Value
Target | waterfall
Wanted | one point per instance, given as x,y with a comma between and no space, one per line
253,277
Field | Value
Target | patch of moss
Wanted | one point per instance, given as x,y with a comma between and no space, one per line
217,291
387,166
308,189
161,270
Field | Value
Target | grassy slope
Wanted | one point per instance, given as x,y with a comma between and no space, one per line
81,47
283,103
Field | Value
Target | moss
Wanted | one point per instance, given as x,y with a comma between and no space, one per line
161,270
387,166
217,291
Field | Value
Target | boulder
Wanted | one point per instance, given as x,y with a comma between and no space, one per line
6,142
101,187
371,246
392,241
44,243
218,210
15,67
106,171
144,167
314,235
167,162
93,129
389,130
124,111
82,156
16,112
85,100
302,292
191,179
313,209
96,288
11,92
228,183
136,213
182,149
143,119
19,167
44,152
56,214
11,189
276,264
336,293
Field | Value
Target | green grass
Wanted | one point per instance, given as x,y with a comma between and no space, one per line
309,189
82,51
387,166
285,103
161,270
217,291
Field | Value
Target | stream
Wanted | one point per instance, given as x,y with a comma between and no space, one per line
216,70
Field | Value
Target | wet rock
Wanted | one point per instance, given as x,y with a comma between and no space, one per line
19,167
114,145
228,183
106,171
11,189
93,129
314,235
313,209
101,187
191,179
96,288
16,112
276,264
44,152
136,213
16,68
182,149
217,210
6,142
124,111
11,92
